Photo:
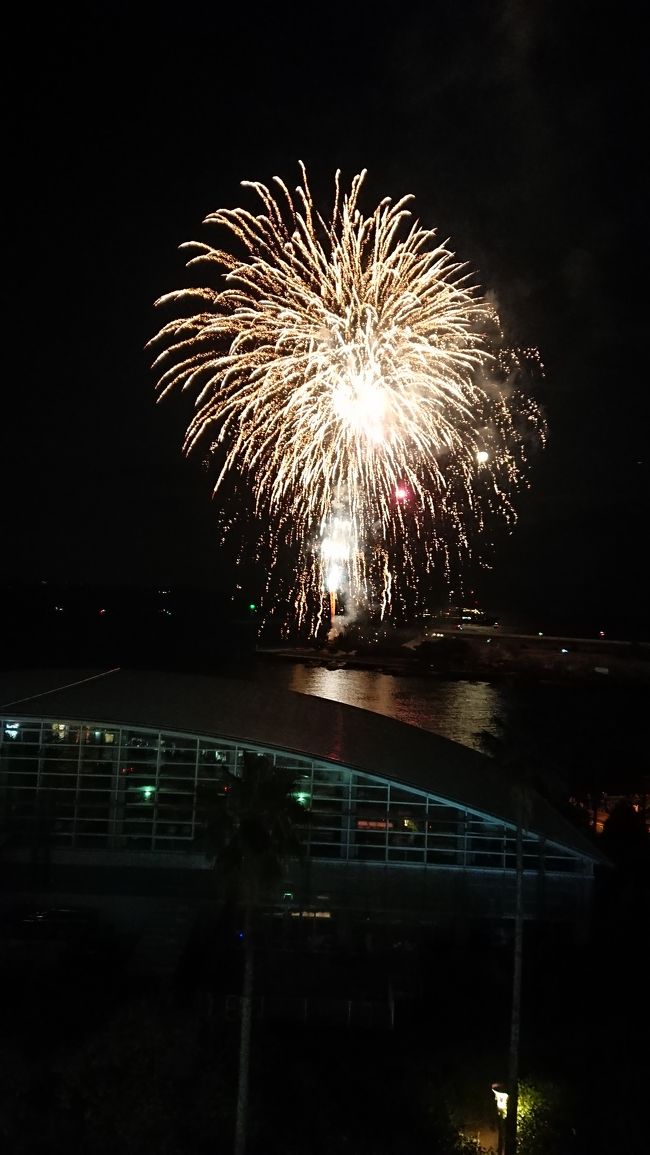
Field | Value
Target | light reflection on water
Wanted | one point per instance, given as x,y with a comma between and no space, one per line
459,710
587,733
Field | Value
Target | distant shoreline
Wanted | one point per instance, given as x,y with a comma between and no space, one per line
562,665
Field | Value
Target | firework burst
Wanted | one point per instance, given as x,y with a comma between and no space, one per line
347,372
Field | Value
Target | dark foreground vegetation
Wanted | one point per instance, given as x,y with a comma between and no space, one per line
99,1055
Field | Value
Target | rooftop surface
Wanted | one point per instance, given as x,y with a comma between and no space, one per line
238,709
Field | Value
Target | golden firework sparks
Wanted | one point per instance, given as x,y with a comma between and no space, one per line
336,364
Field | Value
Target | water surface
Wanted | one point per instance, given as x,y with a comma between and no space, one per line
585,733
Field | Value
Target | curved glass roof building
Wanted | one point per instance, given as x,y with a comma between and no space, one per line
398,821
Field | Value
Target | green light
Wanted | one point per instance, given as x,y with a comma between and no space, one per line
252,607
147,791
303,799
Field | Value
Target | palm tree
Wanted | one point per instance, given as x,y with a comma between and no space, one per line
250,829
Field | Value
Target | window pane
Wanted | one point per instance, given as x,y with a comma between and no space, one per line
93,808
96,777
331,777
186,770
178,749
331,790
399,794
369,792
139,747
18,778
98,755
50,780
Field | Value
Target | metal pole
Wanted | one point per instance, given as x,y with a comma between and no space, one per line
510,1147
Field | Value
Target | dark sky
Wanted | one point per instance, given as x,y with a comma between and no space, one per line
517,127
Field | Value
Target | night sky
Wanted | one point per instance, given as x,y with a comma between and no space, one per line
517,128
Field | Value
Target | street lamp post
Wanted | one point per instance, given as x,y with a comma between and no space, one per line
512,1099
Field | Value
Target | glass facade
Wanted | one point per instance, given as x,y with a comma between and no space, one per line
85,785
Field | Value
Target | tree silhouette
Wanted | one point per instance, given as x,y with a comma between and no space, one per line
625,838
251,831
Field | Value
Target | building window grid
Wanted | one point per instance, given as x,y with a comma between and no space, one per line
196,787
65,820
156,792
463,842
166,830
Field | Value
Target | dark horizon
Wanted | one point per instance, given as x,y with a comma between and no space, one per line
30,607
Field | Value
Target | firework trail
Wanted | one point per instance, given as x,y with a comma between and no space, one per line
347,373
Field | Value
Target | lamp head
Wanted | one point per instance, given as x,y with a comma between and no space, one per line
501,1096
